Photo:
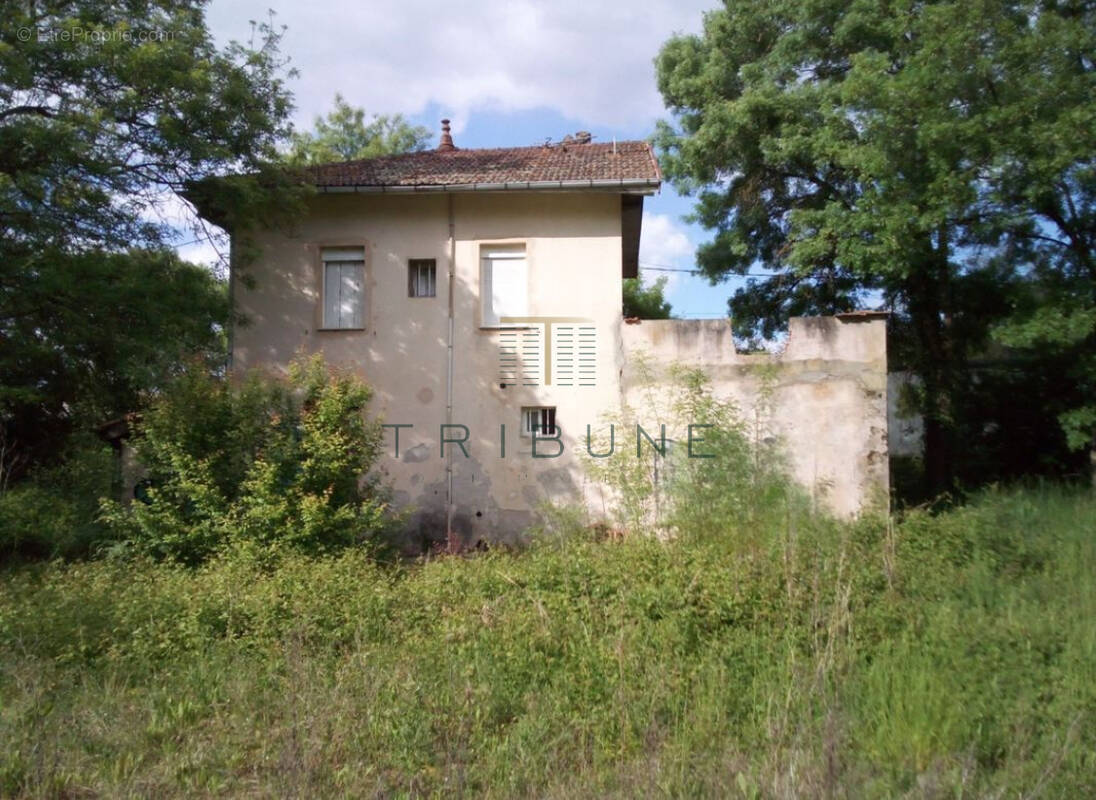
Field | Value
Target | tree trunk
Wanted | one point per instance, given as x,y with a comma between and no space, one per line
930,311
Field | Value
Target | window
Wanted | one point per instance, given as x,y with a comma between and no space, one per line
540,420
504,285
343,287
421,277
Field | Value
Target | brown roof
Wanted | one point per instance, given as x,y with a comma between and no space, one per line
626,165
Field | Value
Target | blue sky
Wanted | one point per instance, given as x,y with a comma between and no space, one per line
508,73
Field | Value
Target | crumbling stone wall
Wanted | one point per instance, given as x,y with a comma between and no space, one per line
824,397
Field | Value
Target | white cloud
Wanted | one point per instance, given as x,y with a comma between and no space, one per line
205,252
193,238
591,60
664,244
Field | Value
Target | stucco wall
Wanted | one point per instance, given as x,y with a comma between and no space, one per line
573,250
833,371
824,397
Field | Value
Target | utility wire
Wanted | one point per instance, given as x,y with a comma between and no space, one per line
652,267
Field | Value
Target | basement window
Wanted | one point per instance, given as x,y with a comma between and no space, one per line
422,274
539,420
343,288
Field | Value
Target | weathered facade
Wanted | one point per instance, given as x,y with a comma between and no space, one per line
479,292
824,396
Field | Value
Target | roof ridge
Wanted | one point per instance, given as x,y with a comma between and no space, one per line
558,146
622,162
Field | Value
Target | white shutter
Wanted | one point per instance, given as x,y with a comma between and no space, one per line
343,287
505,286
350,297
331,284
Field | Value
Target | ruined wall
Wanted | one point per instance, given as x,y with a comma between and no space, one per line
824,397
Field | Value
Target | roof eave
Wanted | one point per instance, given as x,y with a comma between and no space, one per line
627,185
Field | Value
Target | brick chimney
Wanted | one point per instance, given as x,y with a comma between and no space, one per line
446,143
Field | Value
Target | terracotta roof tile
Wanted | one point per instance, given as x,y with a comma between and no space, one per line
633,162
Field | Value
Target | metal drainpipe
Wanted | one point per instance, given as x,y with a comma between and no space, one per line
449,501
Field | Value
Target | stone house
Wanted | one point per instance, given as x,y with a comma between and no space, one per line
479,292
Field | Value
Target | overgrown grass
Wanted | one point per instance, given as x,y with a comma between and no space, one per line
947,656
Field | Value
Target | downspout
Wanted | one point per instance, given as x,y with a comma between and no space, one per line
449,500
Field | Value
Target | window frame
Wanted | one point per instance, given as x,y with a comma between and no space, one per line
489,254
322,322
547,414
415,264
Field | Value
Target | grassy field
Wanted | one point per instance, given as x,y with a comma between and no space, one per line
947,656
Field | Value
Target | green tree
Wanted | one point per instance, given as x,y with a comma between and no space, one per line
344,135
940,154
87,331
109,112
645,302
277,463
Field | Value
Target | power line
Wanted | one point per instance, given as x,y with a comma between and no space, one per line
655,264
669,269
652,267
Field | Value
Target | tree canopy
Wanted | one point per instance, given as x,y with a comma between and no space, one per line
108,112
939,157
646,302
343,135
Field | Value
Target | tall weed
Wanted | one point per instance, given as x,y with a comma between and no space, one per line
695,468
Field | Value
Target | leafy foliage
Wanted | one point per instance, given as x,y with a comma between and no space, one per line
1063,328
281,465
85,332
646,302
108,113
96,126
703,471
53,512
946,655
912,150
344,135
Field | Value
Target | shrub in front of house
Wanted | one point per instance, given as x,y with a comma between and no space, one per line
264,465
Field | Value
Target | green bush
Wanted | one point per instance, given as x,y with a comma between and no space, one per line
52,513
268,463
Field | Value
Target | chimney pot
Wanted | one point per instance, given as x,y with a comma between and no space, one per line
446,143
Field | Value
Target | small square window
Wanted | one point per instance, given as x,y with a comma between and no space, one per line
539,420
422,277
